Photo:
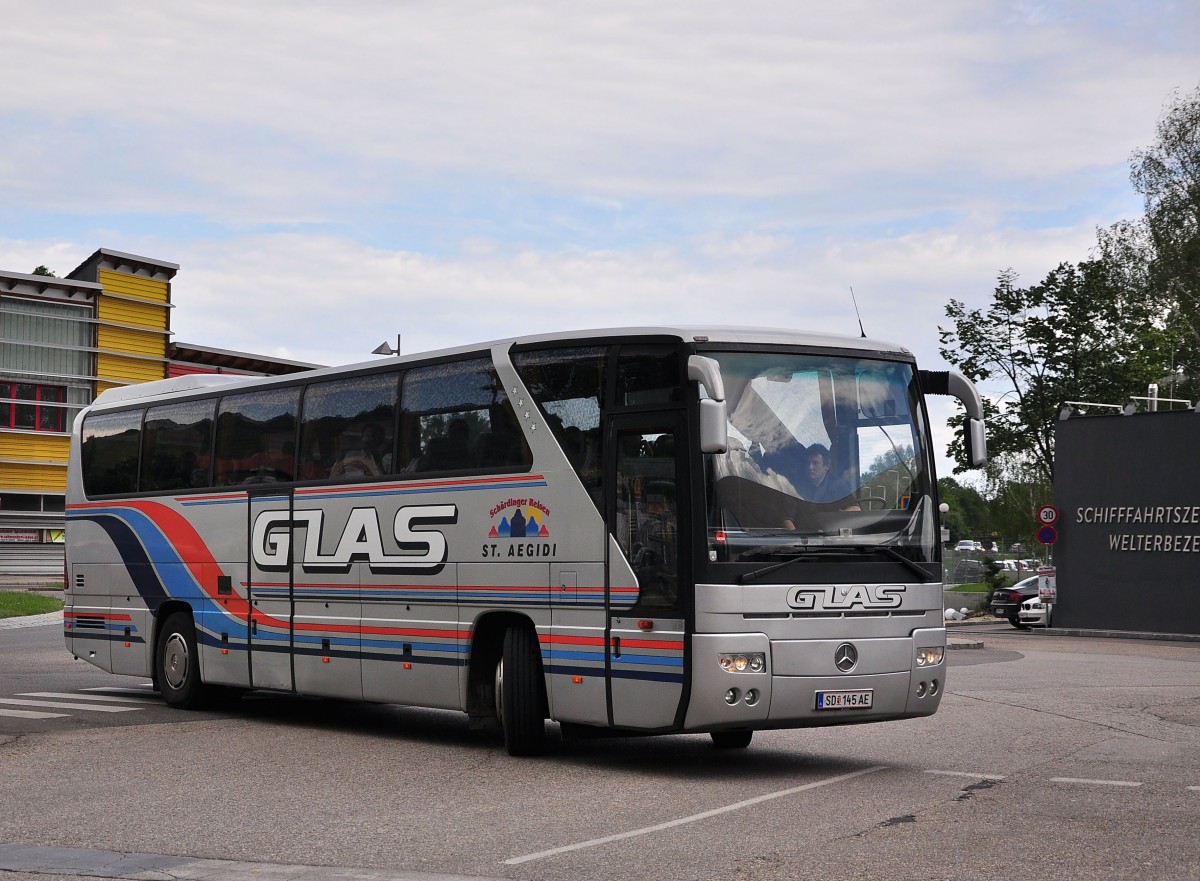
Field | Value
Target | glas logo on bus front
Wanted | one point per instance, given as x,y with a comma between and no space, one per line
425,549
846,596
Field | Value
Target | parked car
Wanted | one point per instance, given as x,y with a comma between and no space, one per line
967,545
1035,613
1015,570
967,571
1006,601
1016,548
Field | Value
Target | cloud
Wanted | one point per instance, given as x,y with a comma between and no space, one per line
329,175
258,110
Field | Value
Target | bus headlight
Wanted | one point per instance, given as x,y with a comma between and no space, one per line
930,656
743,662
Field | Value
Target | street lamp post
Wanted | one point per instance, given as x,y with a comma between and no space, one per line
385,348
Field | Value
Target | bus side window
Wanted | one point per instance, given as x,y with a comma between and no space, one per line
568,385
177,449
455,417
110,452
252,429
348,426
648,375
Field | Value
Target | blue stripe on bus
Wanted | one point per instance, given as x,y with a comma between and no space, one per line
642,675
654,660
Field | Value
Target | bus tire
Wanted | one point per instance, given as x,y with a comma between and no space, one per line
177,666
732,739
521,694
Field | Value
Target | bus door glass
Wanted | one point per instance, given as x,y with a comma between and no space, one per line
270,589
645,637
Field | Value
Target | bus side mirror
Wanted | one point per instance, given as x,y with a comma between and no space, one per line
948,382
976,441
714,415
714,426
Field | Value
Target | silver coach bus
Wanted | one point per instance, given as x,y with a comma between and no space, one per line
643,531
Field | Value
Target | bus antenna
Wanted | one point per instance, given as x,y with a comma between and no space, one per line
858,314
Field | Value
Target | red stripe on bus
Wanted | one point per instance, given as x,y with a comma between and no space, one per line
418,485
107,616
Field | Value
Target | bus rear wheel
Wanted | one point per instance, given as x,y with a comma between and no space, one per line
732,739
178,664
521,694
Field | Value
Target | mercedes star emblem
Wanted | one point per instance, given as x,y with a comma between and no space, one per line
846,657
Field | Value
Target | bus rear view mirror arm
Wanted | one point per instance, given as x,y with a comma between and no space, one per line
954,384
714,416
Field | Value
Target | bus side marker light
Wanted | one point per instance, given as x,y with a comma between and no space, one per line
645,624
408,665
224,651
578,680
324,660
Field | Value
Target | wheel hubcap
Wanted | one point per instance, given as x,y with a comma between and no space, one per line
175,661
500,690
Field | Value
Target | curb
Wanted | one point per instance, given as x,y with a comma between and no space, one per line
958,643
42,620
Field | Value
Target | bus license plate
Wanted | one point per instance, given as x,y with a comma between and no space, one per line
844,700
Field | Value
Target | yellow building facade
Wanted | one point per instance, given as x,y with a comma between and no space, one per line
63,341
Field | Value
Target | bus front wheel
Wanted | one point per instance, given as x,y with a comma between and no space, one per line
520,694
178,667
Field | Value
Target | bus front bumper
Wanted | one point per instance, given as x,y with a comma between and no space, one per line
814,682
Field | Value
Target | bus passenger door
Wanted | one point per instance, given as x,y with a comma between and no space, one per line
645,638
270,590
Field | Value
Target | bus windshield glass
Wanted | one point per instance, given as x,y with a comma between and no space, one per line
826,454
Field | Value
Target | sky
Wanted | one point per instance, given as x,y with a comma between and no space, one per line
329,175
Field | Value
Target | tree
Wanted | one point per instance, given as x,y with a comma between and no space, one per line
1167,176
968,514
1081,335
1101,330
44,270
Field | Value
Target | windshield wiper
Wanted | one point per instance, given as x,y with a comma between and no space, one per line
802,553
911,565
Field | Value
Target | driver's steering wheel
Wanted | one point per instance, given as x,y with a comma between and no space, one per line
866,501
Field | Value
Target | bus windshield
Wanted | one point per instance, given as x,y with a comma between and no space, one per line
825,452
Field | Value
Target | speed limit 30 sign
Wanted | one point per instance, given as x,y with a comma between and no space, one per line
1047,515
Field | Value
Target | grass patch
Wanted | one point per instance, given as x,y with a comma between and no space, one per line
14,603
979,587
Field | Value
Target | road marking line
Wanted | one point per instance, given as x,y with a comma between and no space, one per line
61,705
670,824
91,697
1194,788
970,774
148,688
30,714
1094,782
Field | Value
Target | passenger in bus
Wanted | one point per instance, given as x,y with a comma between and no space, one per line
451,451
368,459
